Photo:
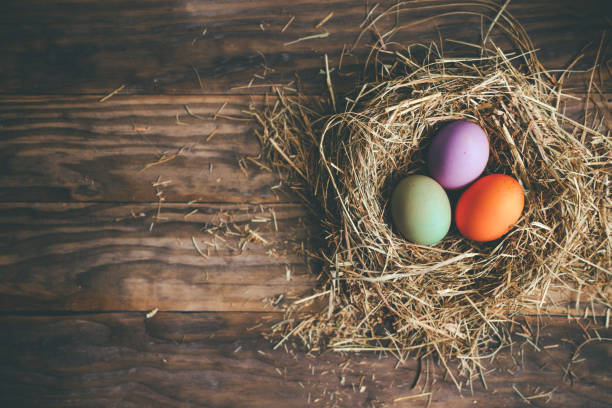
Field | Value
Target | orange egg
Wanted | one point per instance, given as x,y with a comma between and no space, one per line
489,207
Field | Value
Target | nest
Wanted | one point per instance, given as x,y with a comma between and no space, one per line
453,299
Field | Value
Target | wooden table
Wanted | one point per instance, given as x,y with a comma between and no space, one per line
96,231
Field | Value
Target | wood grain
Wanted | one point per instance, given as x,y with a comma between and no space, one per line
220,360
103,256
74,148
156,46
80,265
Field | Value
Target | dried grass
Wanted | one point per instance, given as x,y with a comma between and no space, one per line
452,300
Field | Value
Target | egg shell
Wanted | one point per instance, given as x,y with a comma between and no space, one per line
489,207
458,154
421,210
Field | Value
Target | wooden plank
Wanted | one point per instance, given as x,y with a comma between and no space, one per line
104,256
156,46
62,256
65,148
220,360
74,148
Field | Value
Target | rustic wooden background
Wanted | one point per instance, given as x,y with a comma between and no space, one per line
87,250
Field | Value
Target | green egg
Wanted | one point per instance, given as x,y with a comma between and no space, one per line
421,210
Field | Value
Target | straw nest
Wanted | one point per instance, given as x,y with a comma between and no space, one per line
453,299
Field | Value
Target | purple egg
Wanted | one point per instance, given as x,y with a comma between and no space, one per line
458,154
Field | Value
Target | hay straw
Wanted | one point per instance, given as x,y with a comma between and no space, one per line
113,93
286,26
309,37
325,20
452,300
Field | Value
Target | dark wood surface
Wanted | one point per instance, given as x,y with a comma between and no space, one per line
58,148
73,148
105,257
86,249
101,256
153,46
221,360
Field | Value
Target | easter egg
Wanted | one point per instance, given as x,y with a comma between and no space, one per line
489,207
421,210
458,154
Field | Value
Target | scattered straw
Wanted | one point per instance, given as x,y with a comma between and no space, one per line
288,24
325,20
190,213
113,93
165,158
380,292
152,313
521,395
329,83
193,115
574,358
195,245
309,37
197,74
213,133
409,397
